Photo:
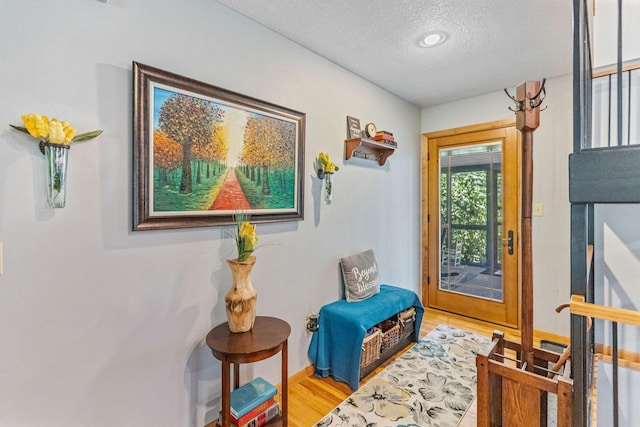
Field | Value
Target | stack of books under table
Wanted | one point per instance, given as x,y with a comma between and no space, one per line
254,404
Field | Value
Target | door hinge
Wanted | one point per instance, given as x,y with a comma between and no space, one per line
428,280
428,218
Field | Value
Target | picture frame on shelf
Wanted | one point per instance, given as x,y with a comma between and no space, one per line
202,153
353,127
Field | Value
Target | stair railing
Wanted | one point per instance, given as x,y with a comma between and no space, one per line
579,307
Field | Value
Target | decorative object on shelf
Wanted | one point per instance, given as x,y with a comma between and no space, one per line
240,301
353,127
186,145
55,139
326,168
370,130
385,137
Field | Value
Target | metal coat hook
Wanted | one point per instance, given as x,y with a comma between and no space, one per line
534,102
513,98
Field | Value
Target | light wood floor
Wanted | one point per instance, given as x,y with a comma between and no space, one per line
311,398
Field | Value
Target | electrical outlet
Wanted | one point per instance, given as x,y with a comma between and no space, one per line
311,323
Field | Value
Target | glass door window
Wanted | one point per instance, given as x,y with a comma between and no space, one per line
471,220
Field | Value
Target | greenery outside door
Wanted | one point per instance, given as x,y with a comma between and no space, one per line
471,221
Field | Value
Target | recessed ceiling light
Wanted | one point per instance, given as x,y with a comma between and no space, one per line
433,38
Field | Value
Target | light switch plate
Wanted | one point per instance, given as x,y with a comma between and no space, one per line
538,209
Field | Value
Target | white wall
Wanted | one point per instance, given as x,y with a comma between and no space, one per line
605,32
552,144
102,326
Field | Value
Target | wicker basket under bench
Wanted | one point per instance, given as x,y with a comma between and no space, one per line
386,339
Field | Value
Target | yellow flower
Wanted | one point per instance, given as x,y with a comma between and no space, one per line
326,164
245,236
52,131
69,132
37,125
248,232
56,134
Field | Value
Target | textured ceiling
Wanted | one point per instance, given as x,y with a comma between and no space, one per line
492,44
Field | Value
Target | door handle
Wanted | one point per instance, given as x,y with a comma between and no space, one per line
509,241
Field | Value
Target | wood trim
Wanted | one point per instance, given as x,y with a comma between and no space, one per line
620,315
425,220
471,128
611,71
626,358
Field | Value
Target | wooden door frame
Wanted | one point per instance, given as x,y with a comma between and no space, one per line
460,132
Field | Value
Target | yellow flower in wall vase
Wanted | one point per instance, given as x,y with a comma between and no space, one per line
326,169
55,140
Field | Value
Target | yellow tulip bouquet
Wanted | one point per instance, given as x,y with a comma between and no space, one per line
52,131
325,165
326,168
245,236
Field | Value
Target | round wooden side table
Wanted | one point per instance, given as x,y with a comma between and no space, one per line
267,338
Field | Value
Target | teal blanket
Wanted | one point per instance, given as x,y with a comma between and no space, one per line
335,348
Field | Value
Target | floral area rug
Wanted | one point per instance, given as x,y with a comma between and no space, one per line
431,384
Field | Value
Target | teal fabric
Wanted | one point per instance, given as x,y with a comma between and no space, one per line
335,348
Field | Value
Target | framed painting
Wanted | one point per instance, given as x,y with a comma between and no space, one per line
202,153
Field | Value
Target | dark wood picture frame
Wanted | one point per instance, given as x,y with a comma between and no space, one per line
167,161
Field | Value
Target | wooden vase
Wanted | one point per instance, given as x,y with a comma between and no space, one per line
241,299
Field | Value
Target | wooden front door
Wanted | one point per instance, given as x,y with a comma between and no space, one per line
471,187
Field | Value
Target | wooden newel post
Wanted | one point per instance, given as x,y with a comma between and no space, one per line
527,120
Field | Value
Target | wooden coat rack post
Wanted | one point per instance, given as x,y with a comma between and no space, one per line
513,392
527,121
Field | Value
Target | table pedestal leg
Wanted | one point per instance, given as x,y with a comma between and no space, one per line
285,385
236,375
226,394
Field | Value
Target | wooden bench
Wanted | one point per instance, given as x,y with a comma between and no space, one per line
336,347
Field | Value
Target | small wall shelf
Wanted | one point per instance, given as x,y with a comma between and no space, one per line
369,149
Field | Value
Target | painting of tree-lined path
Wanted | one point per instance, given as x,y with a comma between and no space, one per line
208,156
